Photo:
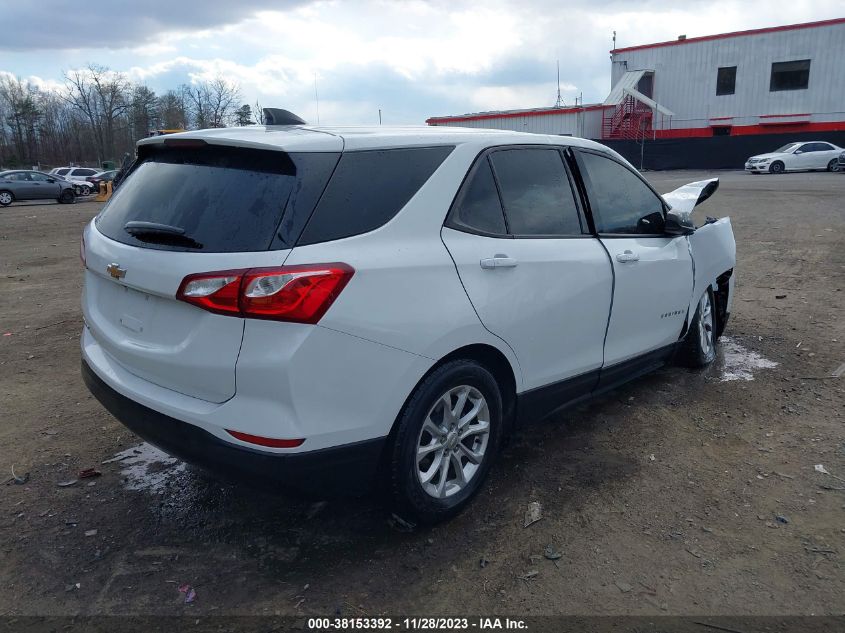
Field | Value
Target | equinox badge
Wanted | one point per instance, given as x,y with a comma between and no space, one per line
116,271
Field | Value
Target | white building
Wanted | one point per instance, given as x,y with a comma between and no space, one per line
759,82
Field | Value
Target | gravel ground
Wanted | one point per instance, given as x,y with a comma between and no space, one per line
682,493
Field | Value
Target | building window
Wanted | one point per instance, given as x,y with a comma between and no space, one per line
721,130
790,75
726,81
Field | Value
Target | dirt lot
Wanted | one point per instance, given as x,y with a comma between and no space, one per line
663,497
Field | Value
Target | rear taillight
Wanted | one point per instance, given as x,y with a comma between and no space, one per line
288,293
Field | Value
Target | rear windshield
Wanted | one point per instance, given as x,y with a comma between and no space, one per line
216,199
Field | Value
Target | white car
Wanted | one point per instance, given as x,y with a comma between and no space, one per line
79,176
795,157
329,309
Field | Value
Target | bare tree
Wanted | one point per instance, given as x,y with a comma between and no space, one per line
101,96
212,103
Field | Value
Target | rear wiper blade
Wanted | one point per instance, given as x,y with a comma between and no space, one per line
156,233
136,226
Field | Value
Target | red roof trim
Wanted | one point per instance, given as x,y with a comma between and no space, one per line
720,118
720,36
772,116
512,114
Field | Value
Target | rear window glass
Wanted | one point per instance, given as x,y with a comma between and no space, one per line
222,199
368,188
478,208
536,193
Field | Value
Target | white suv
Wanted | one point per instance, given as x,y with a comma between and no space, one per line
326,309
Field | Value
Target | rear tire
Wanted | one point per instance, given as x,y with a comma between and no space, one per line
699,346
776,167
67,196
452,421
6,198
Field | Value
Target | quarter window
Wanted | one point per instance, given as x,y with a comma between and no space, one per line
790,75
368,188
478,207
536,192
726,81
620,200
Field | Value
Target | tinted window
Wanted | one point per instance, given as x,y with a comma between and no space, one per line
225,199
536,193
62,172
368,188
84,172
620,200
726,81
790,75
477,207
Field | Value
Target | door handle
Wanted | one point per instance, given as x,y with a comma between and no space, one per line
627,256
498,261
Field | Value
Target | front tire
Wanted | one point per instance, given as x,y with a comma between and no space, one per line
699,346
776,167
447,438
86,190
832,165
6,198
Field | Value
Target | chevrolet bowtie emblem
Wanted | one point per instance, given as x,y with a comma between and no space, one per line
116,271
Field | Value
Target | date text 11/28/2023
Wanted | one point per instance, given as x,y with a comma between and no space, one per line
416,624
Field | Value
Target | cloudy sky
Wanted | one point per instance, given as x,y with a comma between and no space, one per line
411,58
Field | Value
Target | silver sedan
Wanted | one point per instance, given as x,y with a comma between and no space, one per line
34,185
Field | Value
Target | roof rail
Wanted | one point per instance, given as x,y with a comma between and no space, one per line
278,116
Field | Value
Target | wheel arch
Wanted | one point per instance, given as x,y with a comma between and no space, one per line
490,357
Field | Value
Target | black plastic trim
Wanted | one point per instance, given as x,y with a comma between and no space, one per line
541,402
320,473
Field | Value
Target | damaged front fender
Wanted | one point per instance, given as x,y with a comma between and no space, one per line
712,246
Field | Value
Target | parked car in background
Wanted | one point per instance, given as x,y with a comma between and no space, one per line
840,163
79,176
811,156
103,176
34,185
424,291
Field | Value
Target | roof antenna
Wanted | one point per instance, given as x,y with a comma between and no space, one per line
559,100
316,99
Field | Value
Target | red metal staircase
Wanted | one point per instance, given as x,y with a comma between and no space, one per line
630,119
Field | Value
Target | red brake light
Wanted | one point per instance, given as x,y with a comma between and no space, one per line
272,442
301,294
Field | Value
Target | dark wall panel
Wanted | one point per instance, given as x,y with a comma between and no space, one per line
718,152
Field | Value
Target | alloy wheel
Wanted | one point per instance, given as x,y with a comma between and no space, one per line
453,441
5,198
705,324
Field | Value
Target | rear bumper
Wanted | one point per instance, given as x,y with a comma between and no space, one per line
340,471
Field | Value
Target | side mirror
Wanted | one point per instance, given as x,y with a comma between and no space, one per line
50,180
798,151
678,224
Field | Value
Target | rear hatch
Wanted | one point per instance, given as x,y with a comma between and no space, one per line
190,207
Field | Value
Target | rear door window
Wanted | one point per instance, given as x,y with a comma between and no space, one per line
223,199
620,200
368,189
536,192
477,208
